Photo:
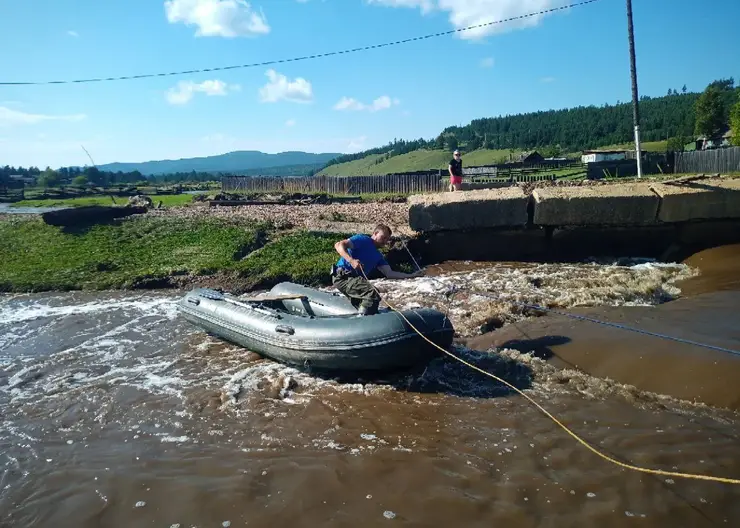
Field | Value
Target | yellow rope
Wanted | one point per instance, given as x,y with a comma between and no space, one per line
571,433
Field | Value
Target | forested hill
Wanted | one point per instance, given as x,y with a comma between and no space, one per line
583,127
568,130
238,162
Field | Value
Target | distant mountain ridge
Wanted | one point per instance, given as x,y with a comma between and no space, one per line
231,162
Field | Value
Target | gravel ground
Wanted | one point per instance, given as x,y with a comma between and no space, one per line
329,217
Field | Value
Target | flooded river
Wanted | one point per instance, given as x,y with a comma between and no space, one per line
117,413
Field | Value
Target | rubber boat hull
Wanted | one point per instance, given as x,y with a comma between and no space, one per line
320,330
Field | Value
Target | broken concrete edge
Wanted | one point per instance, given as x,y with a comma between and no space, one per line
664,243
469,209
693,200
648,205
620,204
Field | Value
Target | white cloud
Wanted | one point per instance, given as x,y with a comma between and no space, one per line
185,90
217,18
381,103
281,88
464,13
348,103
488,62
425,5
73,33
290,123
10,117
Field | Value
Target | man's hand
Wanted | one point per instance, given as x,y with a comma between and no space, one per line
390,274
354,263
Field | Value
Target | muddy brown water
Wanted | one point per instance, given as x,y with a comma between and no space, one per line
115,412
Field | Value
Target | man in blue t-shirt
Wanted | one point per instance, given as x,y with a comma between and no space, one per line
361,251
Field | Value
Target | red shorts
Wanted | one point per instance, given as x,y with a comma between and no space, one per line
456,180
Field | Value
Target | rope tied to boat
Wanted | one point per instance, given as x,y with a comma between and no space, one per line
543,410
574,316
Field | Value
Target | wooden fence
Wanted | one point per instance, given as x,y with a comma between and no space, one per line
722,160
11,193
407,183
389,183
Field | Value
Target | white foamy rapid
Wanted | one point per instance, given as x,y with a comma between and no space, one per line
16,310
512,292
101,349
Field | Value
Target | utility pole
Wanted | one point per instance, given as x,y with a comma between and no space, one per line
635,101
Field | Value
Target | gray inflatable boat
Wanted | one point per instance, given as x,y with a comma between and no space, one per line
306,327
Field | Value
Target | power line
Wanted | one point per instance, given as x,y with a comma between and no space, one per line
305,57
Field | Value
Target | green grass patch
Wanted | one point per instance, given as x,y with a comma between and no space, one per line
647,146
38,257
159,252
417,160
304,257
168,200
420,160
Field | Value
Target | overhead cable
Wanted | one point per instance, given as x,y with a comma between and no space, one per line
305,57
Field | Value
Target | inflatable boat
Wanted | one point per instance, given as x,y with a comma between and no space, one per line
306,327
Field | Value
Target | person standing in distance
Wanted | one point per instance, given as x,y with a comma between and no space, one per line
456,172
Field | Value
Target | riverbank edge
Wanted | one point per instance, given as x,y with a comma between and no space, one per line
35,257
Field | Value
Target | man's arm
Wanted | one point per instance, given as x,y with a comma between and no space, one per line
391,274
341,247
449,168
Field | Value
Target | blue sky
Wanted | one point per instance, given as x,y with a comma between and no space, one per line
344,103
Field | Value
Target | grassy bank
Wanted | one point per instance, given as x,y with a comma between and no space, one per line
168,200
420,160
159,252
413,161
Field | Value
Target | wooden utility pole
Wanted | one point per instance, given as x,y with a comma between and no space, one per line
635,100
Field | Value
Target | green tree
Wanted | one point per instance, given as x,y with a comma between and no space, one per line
710,113
79,181
451,142
95,176
735,124
551,151
48,178
439,142
684,89
677,144
474,143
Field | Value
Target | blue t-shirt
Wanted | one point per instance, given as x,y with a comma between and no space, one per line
364,250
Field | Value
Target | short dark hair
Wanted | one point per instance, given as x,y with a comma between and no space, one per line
384,228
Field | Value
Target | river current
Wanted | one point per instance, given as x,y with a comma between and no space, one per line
116,412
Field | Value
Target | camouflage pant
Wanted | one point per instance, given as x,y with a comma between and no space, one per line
360,292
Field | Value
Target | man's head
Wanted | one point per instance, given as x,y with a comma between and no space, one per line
381,235
456,154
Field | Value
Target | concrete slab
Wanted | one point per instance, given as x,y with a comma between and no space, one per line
699,200
623,204
468,209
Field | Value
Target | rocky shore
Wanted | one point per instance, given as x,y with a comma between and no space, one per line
315,217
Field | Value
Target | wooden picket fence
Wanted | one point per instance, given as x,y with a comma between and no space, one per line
407,183
352,185
722,160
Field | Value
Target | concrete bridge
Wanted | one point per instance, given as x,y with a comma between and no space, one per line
667,220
